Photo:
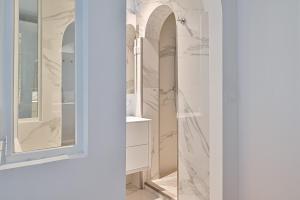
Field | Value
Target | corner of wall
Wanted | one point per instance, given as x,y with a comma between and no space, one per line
2,28
230,100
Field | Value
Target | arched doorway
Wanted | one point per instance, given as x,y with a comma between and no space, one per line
199,92
192,101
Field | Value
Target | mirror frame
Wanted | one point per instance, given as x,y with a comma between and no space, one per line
9,158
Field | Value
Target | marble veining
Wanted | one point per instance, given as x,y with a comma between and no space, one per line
151,64
193,156
192,108
166,51
150,74
56,16
168,185
167,98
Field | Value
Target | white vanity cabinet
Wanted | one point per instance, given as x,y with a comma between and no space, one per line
138,145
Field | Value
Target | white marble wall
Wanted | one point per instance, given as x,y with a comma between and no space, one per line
151,101
193,113
167,98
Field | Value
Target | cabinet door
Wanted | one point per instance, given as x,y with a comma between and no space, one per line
137,134
137,157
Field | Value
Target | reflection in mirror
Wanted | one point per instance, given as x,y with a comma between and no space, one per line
130,70
68,86
44,75
130,59
28,59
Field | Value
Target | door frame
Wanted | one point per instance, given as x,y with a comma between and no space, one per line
216,98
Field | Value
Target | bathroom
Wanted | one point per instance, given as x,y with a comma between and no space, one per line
167,94
229,130
167,81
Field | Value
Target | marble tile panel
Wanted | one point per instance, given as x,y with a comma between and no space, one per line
167,97
168,185
193,154
192,46
151,111
150,64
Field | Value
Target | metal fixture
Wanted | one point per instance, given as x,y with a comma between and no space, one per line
181,20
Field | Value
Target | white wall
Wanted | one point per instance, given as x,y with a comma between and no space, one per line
1,60
269,90
101,175
230,100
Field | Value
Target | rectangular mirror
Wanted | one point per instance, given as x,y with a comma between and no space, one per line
133,64
130,59
44,75
28,57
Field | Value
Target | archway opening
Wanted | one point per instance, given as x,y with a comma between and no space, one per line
160,84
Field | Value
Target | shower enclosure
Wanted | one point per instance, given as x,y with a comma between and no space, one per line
175,94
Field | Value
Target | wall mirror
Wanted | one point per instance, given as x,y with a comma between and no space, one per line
48,80
131,70
130,58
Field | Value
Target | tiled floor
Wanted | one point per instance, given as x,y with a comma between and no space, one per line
133,193
167,185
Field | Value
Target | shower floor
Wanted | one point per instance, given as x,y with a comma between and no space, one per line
166,185
135,193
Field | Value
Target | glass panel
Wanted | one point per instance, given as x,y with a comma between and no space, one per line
45,61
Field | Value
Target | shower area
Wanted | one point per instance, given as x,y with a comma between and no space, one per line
165,119
168,83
